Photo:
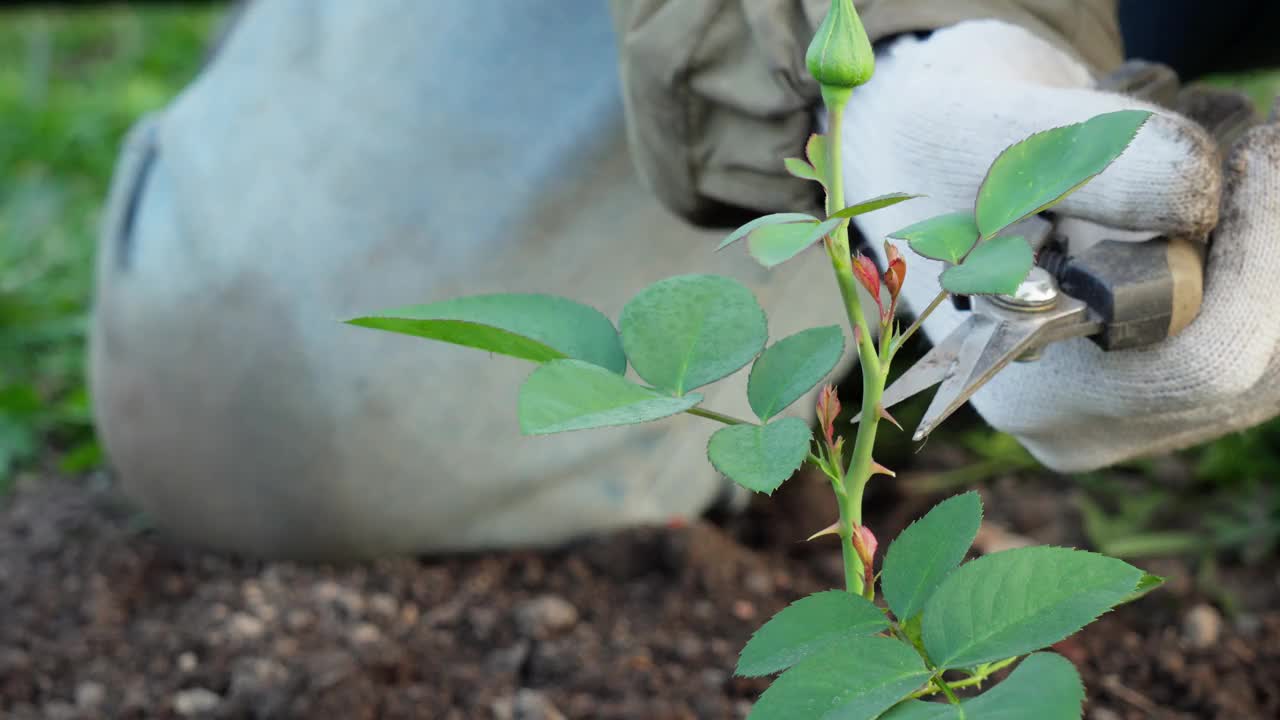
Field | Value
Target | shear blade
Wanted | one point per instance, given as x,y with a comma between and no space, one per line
928,371
1000,337
978,349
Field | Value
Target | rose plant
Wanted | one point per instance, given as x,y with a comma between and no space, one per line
943,625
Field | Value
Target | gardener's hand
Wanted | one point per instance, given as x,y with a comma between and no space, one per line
941,109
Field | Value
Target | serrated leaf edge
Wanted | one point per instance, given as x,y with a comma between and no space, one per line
981,514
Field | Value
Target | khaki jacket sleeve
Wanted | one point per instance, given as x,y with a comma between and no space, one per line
716,91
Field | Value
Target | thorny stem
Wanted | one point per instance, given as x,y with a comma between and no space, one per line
873,377
946,689
849,497
976,679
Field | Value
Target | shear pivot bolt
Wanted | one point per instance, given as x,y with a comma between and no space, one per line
1037,292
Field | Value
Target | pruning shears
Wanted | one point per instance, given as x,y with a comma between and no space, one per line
1120,294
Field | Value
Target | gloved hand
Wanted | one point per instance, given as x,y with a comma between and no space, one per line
935,116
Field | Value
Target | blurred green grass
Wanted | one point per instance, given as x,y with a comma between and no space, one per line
72,82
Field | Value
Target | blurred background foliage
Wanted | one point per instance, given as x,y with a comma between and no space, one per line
72,81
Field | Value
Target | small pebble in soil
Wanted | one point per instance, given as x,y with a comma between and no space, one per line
187,662
689,646
58,710
545,616
759,583
89,695
195,701
383,605
1202,627
365,634
508,659
526,704
244,627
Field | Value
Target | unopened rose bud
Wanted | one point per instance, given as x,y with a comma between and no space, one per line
840,55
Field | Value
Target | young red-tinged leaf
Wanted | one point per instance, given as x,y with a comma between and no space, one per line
868,276
865,543
766,221
995,267
873,204
806,627
895,275
828,411
891,253
801,169
945,237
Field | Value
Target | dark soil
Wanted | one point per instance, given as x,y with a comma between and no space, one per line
102,620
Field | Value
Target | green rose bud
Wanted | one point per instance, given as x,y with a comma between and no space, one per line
840,56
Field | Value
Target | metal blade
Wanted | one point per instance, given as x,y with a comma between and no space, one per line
928,371
1000,336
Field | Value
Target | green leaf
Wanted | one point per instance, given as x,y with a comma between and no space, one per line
1033,175
927,551
816,151
564,395
1045,686
801,169
996,267
944,237
766,221
791,367
806,627
760,457
1148,583
875,203
1013,602
527,326
773,245
686,331
857,680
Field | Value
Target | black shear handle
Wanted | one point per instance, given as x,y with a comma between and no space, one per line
1144,292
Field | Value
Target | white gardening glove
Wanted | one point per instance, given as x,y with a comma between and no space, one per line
937,114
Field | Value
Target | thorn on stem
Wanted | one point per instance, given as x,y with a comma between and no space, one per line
884,415
832,529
